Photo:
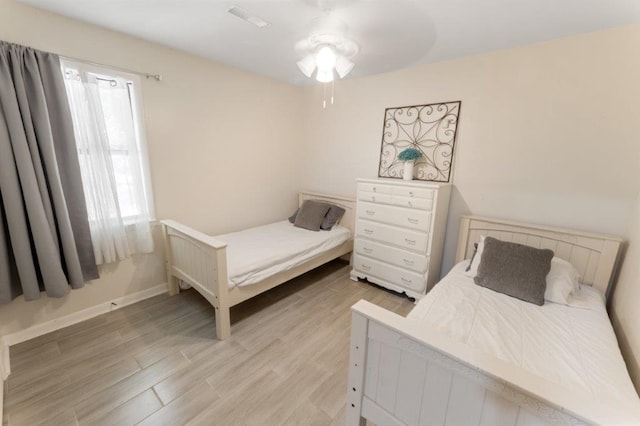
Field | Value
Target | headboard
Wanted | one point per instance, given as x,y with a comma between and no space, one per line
593,255
349,204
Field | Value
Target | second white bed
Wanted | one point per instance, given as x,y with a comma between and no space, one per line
571,346
231,268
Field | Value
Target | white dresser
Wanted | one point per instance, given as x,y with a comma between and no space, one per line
400,227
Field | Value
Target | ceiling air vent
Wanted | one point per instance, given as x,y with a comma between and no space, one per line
245,16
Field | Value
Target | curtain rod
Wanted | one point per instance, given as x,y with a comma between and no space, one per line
157,77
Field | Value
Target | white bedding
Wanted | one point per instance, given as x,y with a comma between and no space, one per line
573,346
257,253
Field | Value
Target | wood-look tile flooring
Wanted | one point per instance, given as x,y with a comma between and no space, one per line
158,361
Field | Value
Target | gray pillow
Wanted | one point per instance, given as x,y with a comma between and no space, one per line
514,269
332,217
311,215
292,218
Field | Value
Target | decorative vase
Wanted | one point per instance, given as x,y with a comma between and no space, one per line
407,174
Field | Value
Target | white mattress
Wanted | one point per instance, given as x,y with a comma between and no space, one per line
257,253
572,346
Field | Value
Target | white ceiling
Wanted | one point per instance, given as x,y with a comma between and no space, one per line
392,34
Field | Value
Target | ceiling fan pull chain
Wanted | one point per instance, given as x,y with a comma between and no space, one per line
324,96
332,84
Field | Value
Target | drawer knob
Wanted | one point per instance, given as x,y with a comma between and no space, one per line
367,250
405,280
411,242
410,204
368,231
370,212
408,262
413,221
374,189
366,267
410,193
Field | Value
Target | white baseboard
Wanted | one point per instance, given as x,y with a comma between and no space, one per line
65,321
76,317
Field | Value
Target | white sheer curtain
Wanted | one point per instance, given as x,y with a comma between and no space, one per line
112,162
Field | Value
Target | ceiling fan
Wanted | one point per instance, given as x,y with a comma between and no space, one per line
327,53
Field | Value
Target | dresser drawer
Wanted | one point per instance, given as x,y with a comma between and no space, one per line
403,238
395,256
409,280
410,192
397,200
374,197
412,203
408,218
373,187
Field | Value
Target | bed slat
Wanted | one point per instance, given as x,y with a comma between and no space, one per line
435,396
465,402
533,241
527,418
518,238
580,258
546,243
410,388
498,411
563,250
592,266
388,377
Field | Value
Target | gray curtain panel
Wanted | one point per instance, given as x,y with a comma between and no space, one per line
45,243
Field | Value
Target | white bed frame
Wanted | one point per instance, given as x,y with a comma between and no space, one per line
403,373
200,260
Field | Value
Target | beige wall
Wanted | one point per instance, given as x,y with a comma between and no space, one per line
222,145
548,133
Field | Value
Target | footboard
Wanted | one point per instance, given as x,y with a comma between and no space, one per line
401,373
201,261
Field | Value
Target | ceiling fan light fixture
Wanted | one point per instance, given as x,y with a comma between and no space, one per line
307,65
330,52
343,66
326,59
325,75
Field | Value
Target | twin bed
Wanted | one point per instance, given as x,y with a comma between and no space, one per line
469,355
231,268
465,354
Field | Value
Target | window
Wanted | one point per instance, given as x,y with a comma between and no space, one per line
107,117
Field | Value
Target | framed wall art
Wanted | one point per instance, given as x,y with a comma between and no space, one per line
430,129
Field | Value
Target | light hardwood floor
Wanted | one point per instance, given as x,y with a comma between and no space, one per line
158,361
